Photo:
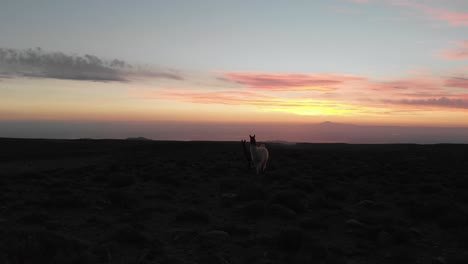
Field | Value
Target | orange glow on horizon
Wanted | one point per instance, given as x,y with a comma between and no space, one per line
46,99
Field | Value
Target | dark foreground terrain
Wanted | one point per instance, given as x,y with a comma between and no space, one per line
117,201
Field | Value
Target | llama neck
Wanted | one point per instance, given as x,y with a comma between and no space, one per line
253,150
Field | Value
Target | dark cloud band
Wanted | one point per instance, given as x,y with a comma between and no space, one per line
37,63
437,102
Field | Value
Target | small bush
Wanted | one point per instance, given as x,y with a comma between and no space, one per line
289,239
124,199
251,192
314,223
280,211
336,194
291,200
121,180
66,201
44,247
128,235
254,209
193,216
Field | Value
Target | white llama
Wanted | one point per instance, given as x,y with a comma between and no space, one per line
259,155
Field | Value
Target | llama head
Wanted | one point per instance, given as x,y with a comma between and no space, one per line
252,140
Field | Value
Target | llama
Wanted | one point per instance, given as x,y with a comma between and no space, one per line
247,154
259,155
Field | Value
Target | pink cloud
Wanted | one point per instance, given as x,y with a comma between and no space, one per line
457,53
258,89
414,85
442,102
419,93
204,97
291,81
451,17
244,98
457,82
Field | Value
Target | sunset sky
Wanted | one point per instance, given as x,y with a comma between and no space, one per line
363,62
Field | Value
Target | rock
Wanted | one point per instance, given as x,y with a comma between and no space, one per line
124,198
182,236
281,211
216,235
314,223
253,209
353,223
210,258
235,229
416,232
128,235
402,256
121,180
335,259
336,194
366,204
401,235
459,259
384,237
228,199
439,260
291,200
229,195
251,192
28,246
34,217
289,239
313,252
303,185
212,239
193,216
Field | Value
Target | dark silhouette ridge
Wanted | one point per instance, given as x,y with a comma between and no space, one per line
117,201
138,138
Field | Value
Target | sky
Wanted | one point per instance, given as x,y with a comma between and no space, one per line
248,64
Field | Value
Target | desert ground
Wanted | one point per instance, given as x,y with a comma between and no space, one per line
135,201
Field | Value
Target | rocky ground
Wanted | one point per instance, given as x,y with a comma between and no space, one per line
117,201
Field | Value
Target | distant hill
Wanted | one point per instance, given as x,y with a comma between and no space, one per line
283,142
330,132
138,138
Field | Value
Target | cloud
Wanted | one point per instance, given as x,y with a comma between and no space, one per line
456,53
457,82
267,103
37,63
291,81
360,1
414,85
442,102
217,97
451,17
156,74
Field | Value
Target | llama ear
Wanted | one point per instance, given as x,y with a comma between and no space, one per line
254,136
